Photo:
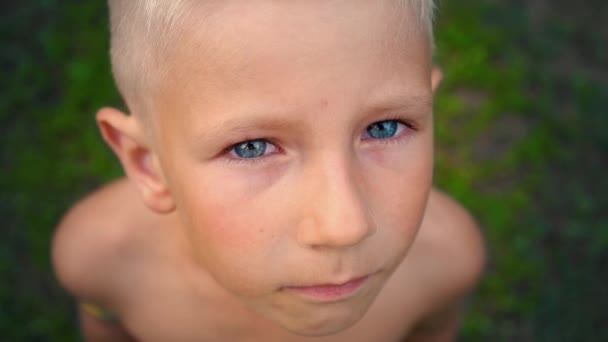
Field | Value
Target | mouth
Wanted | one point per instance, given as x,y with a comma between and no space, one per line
330,292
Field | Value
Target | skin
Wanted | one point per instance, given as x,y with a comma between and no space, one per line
201,244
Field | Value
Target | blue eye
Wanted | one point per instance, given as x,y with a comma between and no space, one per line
250,149
383,129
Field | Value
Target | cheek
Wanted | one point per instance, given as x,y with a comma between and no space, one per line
221,210
401,185
233,236
225,227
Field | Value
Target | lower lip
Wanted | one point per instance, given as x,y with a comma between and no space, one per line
330,292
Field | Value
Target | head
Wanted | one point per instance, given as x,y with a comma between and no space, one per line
293,139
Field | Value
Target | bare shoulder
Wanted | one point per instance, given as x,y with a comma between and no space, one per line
93,239
455,238
448,256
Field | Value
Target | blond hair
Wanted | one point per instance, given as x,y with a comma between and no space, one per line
145,32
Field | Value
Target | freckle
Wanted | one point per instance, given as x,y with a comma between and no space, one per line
324,103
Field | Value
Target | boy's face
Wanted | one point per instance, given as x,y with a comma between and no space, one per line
299,153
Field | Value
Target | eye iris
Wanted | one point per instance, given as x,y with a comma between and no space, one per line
251,149
382,130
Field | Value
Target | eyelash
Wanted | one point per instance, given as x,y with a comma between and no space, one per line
409,125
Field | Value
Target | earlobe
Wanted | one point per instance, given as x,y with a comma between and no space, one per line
125,136
436,78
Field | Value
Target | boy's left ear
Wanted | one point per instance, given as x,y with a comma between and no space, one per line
436,77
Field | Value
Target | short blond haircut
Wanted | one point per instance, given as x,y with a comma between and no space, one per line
144,32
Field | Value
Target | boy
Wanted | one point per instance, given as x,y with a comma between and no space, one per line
279,158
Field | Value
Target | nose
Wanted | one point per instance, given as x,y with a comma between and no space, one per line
335,213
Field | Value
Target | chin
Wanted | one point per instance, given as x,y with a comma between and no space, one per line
323,325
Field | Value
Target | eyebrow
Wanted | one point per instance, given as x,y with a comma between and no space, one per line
416,106
245,124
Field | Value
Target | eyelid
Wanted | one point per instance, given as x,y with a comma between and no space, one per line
400,119
407,123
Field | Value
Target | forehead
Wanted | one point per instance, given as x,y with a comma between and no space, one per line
291,52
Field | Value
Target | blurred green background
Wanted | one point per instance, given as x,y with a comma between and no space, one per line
522,141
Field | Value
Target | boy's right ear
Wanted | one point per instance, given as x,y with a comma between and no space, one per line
436,78
126,137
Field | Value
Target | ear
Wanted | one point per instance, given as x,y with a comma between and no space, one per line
125,135
436,78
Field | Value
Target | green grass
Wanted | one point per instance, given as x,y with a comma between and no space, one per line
521,128
520,123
